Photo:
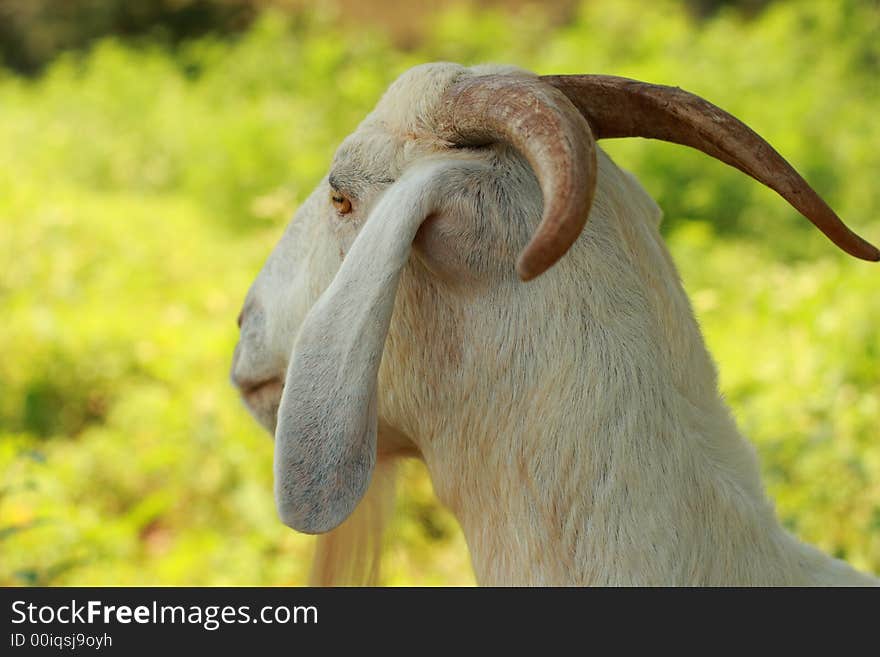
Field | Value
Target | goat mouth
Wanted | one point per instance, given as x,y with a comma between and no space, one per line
270,389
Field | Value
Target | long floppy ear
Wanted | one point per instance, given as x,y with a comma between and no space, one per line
325,440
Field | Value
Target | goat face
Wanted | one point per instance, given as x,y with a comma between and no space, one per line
428,202
471,243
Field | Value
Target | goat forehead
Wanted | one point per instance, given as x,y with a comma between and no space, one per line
411,103
403,124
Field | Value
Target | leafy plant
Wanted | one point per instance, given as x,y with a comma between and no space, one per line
143,188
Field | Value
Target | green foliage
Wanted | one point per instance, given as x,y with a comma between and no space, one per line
142,190
33,31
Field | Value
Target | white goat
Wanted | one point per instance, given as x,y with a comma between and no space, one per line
572,424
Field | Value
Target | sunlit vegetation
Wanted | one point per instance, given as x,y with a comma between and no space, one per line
141,189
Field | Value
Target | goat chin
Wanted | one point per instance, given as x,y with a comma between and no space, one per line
572,424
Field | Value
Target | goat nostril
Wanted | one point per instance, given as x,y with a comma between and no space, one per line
240,318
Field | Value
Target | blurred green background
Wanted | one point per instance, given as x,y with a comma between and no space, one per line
151,152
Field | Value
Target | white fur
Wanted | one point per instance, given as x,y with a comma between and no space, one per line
573,423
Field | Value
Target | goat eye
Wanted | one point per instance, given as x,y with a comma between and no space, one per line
340,202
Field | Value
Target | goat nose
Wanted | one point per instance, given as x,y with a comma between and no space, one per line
250,312
234,374
245,313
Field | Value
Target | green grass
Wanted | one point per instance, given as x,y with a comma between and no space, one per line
142,190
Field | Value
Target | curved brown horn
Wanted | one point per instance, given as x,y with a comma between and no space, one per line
620,107
543,125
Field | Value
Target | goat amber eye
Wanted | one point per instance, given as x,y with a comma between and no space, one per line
340,202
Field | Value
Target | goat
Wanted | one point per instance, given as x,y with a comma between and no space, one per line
573,424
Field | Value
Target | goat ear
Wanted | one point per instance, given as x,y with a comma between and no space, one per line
325,440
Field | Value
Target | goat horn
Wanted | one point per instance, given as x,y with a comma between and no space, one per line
620,107
542,124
